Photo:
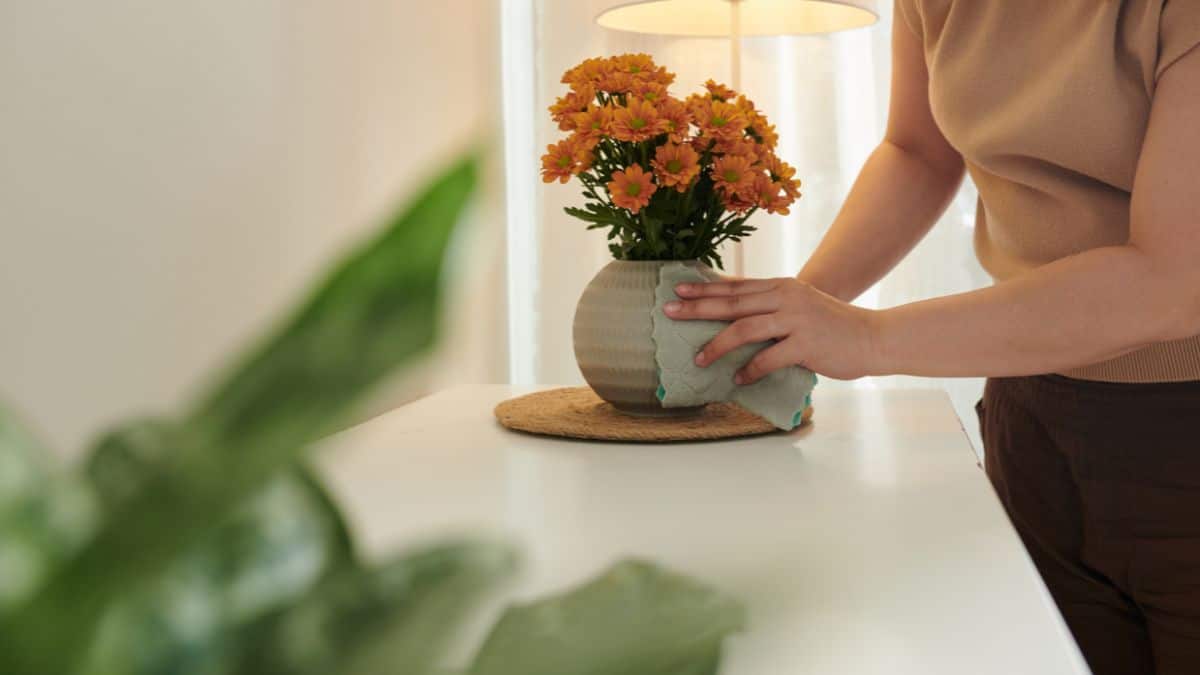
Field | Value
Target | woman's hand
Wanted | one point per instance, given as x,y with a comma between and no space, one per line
812,329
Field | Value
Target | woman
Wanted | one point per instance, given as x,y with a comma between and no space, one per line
1079,121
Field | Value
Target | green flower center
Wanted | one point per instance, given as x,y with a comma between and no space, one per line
637,123
674,166
596,125
564,162
732,176
633,189
719,121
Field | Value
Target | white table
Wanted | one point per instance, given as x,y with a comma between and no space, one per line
869,542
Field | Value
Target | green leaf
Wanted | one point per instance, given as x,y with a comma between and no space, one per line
635,619
44,518
375,312
394,619
23,462
272,551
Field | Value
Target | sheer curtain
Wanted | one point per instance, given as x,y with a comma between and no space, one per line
826,94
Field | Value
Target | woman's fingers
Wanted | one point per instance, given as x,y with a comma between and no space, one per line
745,331
725,288
723,308
777,356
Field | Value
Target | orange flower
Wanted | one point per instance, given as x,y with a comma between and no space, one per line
733,175
617,82
722,121
783,174
763,133
676,165
632,188
638,121
641,68
591,71
719,92
651,92
635,64
770,195
745,105
662,76
702,144
593,124
738,203
564,159
697,104
741,147
678,121
567,106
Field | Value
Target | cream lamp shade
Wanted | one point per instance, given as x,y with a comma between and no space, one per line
713,18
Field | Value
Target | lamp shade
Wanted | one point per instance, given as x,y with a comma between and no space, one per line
713,18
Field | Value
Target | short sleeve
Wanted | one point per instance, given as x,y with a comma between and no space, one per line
908,12
1178,32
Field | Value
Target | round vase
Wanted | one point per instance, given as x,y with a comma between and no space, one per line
613,335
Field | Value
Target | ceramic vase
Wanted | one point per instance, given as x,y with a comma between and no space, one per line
614,346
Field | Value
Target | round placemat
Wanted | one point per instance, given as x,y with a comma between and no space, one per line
577,412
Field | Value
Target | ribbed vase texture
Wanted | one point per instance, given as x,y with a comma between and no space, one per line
614,345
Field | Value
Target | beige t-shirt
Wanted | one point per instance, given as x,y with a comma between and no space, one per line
1048,102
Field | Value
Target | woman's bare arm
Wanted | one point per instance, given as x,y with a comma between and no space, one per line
1091,306
1075,311
901,191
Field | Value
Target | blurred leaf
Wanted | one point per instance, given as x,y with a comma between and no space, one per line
273,551
374,313
394,619
636,619
39,533
43,518
23,462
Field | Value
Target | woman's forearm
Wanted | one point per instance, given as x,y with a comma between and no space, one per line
1073,312
896,199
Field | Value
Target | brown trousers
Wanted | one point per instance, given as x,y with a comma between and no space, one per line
1102,482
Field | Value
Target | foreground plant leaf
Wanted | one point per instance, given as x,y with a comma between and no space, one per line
44,517
372,315
393,619
194,619
636,619
24,463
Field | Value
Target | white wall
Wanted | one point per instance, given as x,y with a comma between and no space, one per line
172,173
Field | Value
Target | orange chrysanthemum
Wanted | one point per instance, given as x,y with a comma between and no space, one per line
770,195
636,122
734,175
719,91
677,121
566,158
741,147
593,124
722,121
635,64
650,92
738,203
590,72
676,165
565,108
632,188
784,174
763,133
745,105
617,82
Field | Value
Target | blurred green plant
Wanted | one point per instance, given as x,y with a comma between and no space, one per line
204,545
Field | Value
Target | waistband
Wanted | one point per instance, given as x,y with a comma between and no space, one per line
1177,361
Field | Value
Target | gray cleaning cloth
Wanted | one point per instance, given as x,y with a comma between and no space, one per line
781,397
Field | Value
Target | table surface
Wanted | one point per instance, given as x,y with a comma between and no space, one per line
867,542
